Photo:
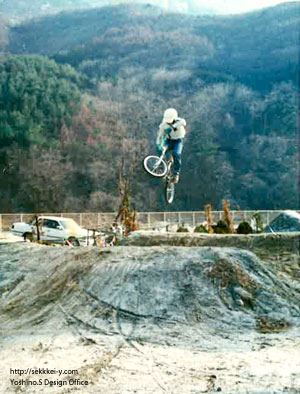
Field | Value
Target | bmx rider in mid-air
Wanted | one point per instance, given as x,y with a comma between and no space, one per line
171,133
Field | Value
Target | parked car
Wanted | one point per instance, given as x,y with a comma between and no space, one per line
53,229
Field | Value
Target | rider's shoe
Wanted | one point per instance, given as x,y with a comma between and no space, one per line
175,178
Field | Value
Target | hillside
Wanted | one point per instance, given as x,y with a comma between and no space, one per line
233,78
18,10
263,45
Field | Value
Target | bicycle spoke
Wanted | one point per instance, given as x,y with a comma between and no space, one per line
155,166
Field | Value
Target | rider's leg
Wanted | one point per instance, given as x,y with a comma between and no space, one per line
168,145
177,150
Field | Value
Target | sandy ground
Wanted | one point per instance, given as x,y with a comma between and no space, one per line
8,237
73,360
261,364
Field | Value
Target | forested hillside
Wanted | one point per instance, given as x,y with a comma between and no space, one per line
20,10
82,94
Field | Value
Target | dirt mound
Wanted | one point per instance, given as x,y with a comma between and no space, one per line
274,243
156,294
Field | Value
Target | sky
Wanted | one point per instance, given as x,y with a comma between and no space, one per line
219,6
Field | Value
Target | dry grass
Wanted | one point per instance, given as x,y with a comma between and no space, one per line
228,217
209,218
267,325
228,275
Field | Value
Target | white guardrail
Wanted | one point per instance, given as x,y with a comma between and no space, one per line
145,219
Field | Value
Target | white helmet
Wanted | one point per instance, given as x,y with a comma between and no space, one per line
170,115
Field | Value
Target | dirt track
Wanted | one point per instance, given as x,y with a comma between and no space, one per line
258,364
149,320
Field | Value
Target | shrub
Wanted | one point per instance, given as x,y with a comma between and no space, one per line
221,228
244,228
182,230
258,222
200,229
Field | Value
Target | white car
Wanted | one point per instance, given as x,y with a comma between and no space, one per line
53,229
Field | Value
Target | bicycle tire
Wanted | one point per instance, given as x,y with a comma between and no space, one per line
149,164
169,191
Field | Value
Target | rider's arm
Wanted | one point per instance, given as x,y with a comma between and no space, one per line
161,137
160,134
180,122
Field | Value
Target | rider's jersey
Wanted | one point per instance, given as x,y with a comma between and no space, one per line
174,132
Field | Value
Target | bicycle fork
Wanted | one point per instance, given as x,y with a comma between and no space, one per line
169,163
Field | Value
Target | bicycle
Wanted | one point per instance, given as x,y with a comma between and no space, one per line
161,167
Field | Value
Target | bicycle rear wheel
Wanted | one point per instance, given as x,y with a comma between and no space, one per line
169,191
155,166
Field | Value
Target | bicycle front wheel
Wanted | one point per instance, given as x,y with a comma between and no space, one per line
169,191
155,166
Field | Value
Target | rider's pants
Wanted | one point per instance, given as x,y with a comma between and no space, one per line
175,147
